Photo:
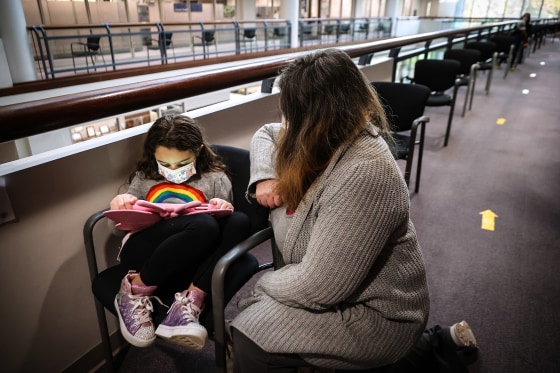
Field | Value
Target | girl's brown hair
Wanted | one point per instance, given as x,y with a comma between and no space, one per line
326,102
182,133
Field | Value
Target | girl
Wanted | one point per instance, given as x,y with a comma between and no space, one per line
175,256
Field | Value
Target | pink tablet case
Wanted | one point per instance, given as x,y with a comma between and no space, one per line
144,214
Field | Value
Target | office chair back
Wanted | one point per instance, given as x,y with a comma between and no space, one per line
486,62
93,43
279,31
329,29
504,48
249,33
404,105
467,58
486,49
238,163
208,36
167,36
438,75
344,28
503,43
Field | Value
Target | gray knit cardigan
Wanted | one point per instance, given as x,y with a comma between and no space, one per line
353,291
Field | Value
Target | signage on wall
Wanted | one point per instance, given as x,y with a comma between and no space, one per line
182,7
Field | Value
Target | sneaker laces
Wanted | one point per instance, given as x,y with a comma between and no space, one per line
142,307
189,311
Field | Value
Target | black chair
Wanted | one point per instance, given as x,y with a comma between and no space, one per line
90,49
164,43
249,36
485,63
280,33
342,29
328,31
404,105
363,28
439,76
205,40
504,48
468,59
106,283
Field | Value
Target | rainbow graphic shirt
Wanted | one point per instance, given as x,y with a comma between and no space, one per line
174,193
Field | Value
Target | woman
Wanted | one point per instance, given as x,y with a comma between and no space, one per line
353,292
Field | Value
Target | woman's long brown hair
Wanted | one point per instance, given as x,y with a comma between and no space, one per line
326,102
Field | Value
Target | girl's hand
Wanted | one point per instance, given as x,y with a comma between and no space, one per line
123,202
221,203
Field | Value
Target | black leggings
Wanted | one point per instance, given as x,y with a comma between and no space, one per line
175,252
434,352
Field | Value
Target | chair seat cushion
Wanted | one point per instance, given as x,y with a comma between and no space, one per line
464,80
400,149
439,100
485,65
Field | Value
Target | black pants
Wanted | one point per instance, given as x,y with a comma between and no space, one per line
434,352
175,252
517,55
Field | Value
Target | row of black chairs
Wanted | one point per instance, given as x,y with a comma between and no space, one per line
91,48
435,83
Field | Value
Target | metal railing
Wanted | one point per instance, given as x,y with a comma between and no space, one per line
136,44
88,106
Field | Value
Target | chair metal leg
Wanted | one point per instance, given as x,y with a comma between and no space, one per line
73,63
92,63
489,80
466,97
420,155
470,86
407,169
105,338
451,113
474,73
491,73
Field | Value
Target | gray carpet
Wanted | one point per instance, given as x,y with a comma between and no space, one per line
506,282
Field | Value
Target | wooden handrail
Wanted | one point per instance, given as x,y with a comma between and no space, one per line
35,117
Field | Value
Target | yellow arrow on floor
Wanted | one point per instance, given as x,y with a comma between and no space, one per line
501,121
488,219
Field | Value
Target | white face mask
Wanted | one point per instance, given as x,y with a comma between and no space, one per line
179,175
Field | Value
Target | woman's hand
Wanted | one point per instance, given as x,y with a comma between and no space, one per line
221,204
123,202
266,195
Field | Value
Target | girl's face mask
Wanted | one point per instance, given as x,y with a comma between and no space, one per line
179,175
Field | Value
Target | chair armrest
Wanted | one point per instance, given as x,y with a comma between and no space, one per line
409,78
423,119
420,121
88,242
218,279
